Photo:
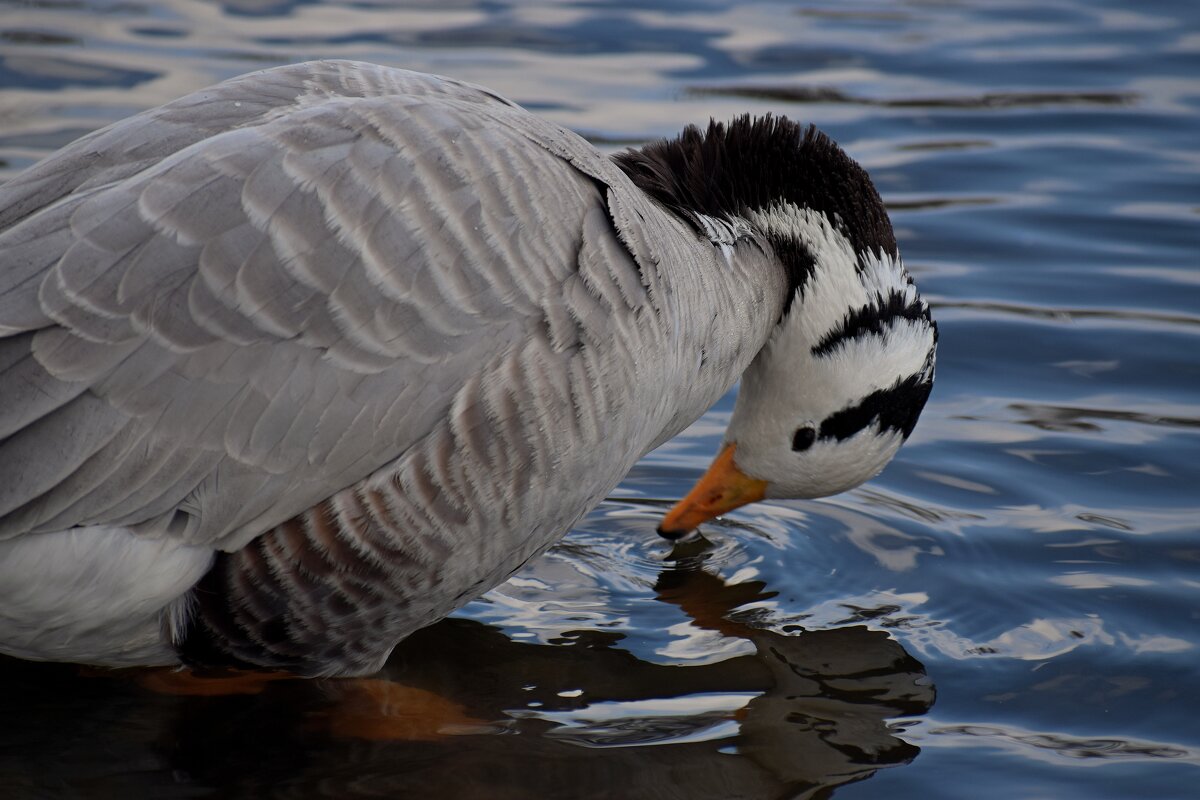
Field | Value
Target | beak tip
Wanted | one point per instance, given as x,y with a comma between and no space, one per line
721,489
670,534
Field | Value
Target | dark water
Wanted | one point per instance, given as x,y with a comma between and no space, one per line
1012,610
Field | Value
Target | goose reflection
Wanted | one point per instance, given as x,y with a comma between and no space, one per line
807,711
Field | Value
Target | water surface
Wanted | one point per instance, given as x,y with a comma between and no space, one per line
1012,610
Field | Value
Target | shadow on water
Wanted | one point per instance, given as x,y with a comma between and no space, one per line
462,710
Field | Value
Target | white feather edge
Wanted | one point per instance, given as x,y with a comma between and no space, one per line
68,595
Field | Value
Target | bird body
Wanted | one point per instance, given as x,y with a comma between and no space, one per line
298,364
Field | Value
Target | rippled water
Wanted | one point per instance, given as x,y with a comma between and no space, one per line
1012,610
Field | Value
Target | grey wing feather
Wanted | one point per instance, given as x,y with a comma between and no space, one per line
220,312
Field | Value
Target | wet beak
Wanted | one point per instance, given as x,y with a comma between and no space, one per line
723,488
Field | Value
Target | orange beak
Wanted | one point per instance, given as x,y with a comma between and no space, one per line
723,488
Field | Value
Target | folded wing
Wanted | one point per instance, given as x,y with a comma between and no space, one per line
217,313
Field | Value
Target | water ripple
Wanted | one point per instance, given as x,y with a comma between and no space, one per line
1034,544
988,101
1065,746
1067,418
1066,314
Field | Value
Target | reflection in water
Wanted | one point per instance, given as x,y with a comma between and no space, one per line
464,711
1059,744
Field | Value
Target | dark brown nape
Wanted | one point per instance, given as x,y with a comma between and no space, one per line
753,163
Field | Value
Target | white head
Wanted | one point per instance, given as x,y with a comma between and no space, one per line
839,385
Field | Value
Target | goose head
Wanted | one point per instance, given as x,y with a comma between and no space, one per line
838,386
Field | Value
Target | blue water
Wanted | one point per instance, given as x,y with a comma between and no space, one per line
1012,610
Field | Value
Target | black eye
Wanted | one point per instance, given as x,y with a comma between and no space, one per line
803,438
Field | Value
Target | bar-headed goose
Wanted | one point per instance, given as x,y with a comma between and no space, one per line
297,364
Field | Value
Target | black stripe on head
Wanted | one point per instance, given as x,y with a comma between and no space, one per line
755,163
895,408
872,319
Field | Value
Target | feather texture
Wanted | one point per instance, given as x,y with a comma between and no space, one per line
376,337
